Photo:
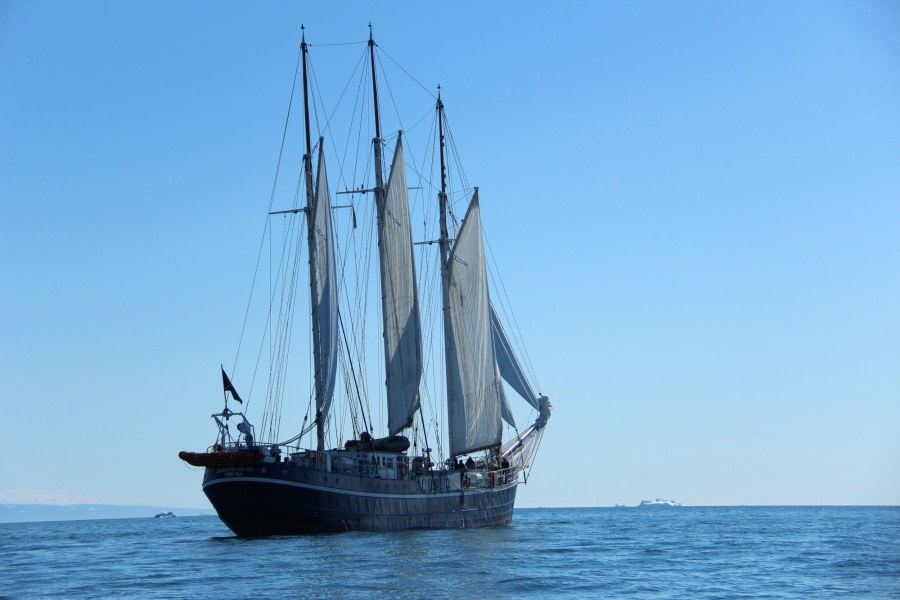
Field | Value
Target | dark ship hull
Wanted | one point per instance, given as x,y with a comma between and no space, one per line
281,498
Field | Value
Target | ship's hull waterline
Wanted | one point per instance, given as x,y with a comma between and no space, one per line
283,499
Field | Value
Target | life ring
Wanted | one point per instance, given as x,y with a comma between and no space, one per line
467,483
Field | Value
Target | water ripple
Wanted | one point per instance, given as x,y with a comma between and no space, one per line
783,552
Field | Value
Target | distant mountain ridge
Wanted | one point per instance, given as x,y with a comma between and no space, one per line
25,513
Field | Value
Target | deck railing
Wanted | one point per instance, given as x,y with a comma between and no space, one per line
372,464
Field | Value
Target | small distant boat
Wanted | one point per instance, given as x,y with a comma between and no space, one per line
658,502
164,515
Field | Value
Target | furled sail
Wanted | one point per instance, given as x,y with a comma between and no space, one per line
400,303
474,388
509,366
324,293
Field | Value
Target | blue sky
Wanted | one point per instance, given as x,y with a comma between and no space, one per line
696,208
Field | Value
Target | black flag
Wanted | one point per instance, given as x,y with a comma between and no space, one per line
230,388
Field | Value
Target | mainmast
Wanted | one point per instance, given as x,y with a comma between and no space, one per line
379,210
402,331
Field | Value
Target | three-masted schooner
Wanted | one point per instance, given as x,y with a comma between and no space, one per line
264,487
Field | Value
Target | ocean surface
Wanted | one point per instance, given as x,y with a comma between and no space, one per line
689,552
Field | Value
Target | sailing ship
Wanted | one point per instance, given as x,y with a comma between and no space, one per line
383,483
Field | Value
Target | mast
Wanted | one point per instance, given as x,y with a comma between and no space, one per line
308,156
444,243
475,400
401,331
379,185
379,160
377,141
311,232
442,199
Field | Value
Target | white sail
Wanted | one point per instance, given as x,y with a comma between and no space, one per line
474,388
400,304
324,293
505,410
509,366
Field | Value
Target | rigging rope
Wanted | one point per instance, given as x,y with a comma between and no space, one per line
510,316
355,258
366,42
382,51
266,228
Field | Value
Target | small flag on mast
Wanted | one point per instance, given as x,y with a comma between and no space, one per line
228,387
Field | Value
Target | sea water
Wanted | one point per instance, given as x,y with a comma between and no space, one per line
688,552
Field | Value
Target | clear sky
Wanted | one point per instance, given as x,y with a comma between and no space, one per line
696,206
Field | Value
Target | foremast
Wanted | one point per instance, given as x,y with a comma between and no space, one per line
444,244
475,399
477,351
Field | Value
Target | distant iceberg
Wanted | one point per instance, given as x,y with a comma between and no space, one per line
659,502
26,513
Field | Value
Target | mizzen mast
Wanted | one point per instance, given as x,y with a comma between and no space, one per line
379,194
310,232
322,280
